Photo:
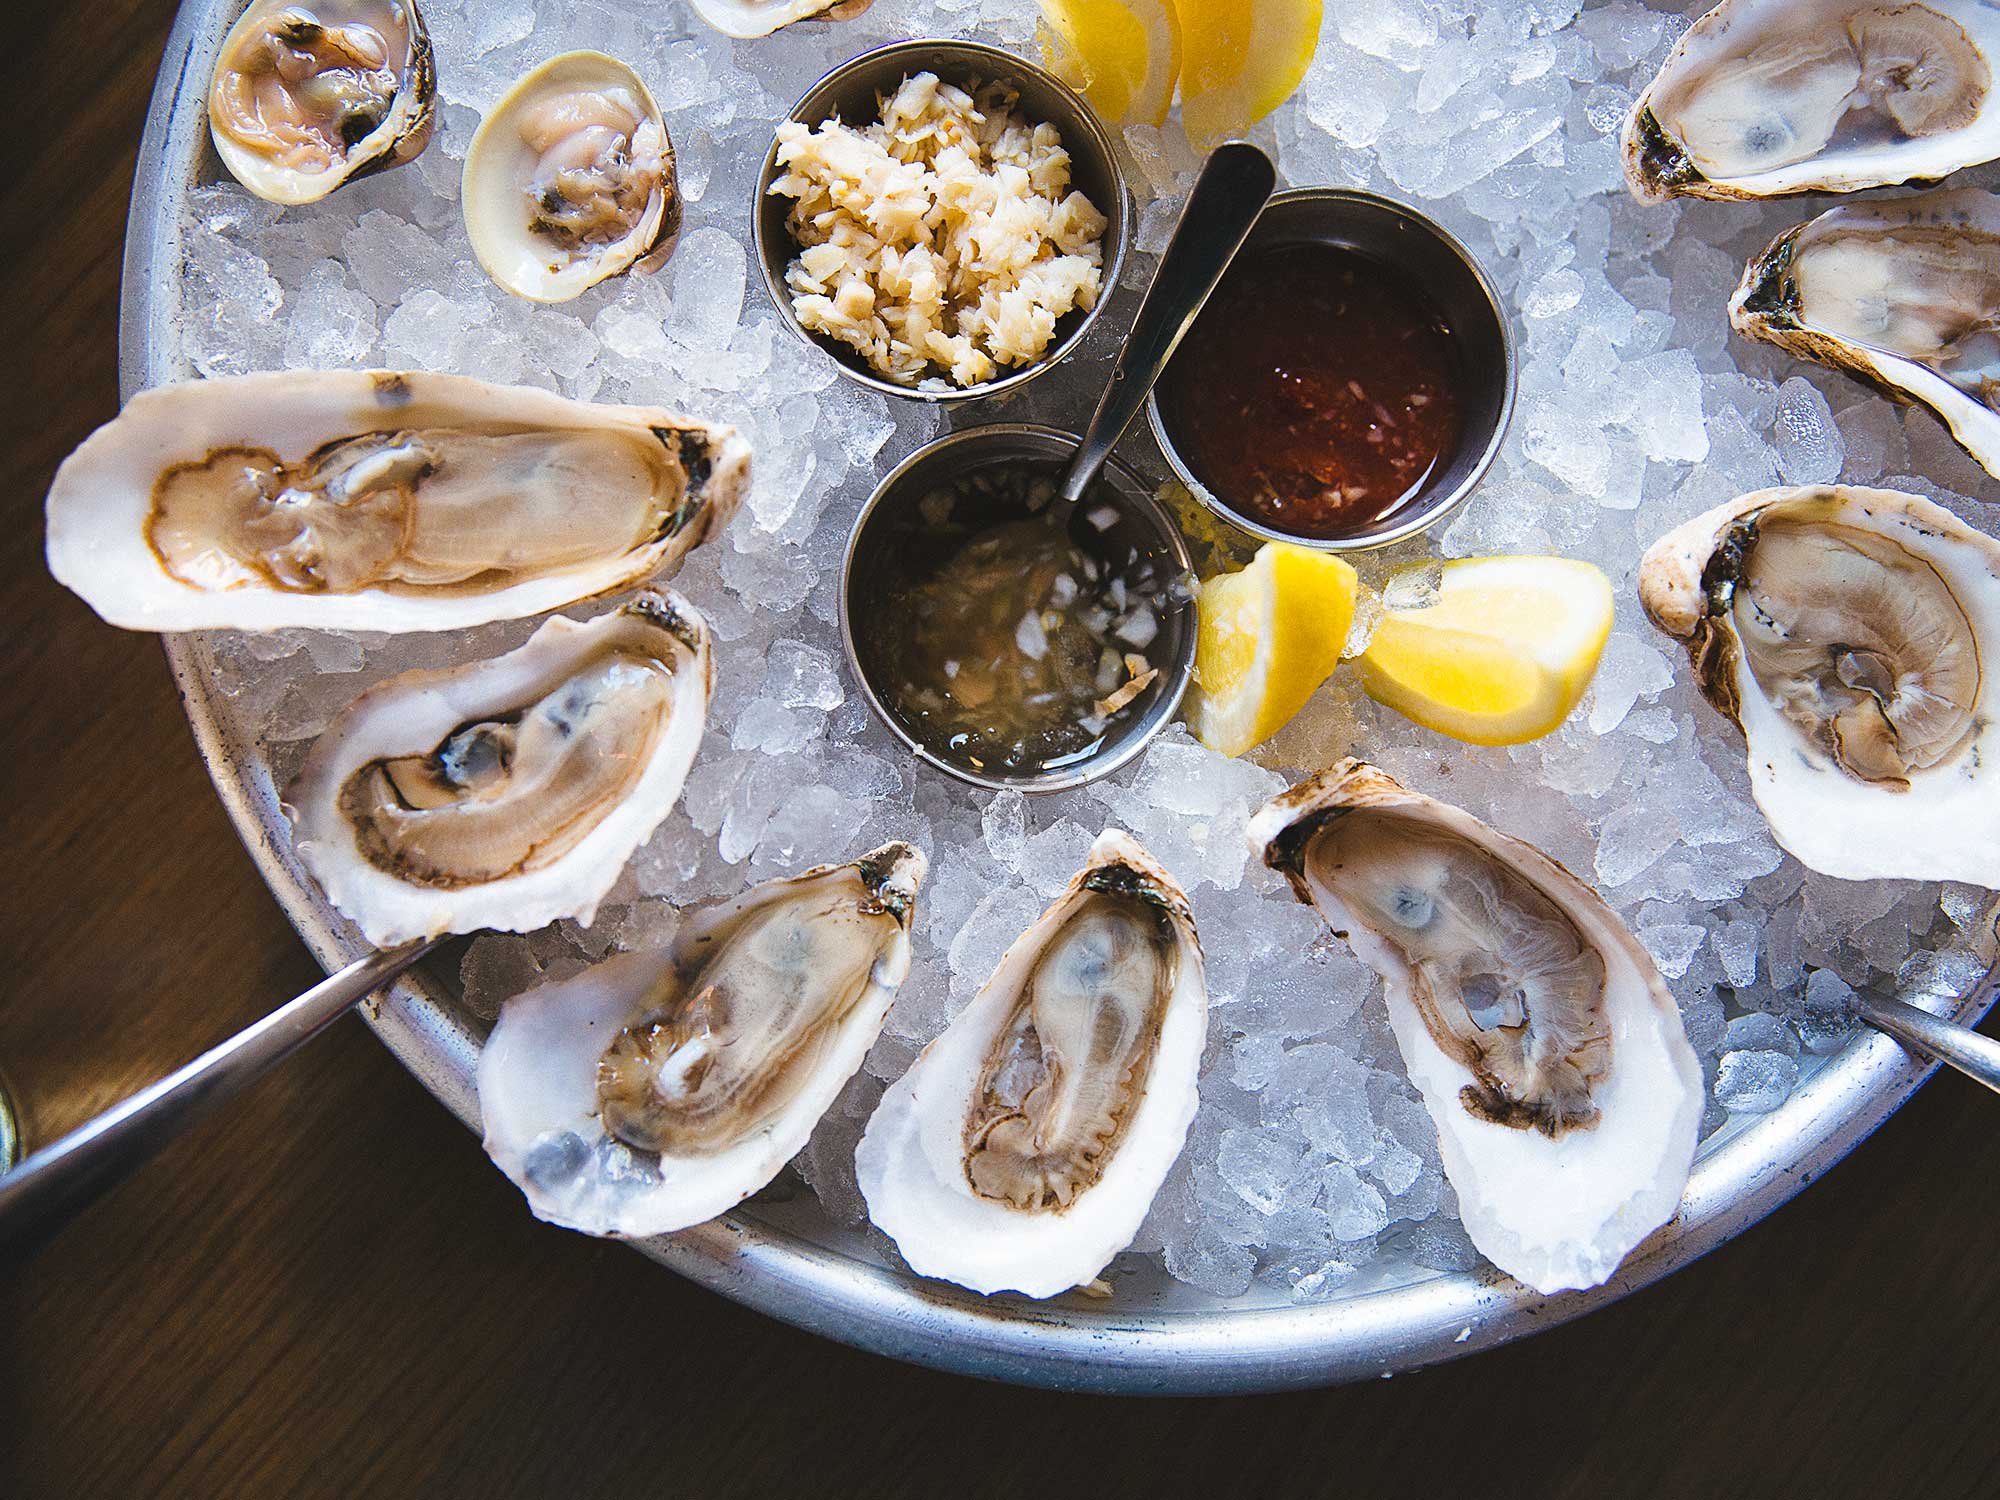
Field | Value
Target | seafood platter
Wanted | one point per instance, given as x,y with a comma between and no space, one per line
1388,865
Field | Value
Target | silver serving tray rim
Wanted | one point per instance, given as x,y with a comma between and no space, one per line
1071,1343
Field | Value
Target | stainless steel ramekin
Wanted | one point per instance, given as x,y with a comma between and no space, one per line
851,91
958,453
1424,250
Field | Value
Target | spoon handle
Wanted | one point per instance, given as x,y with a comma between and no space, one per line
1230,192
48,1188
1972,1053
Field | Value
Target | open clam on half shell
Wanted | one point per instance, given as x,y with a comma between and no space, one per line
660,1088
1546,1046
1024,1146
378,500
1903,294
509,792
307,96
1767,97
570,180
1852,634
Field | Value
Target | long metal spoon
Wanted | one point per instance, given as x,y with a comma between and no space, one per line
50,1187
1231,189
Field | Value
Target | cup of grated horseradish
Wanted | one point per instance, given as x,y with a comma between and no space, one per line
964,149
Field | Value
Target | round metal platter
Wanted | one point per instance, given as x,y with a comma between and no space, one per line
785,1259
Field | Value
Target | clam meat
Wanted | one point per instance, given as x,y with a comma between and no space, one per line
1547,1048
1849,633
570,180
1903,294
510,792
1022,1149
662,1087
374,500
306,97
1768,97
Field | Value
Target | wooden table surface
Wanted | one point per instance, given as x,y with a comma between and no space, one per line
328,1292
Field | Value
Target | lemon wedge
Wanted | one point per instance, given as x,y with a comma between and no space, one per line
1243,58
1122,55
1500,654
1268,637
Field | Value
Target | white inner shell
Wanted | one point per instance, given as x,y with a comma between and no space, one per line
461,502
1911,288
304,94
915,1163
1779,96
772,1002
623,676
1946,825
1558,1209
567,180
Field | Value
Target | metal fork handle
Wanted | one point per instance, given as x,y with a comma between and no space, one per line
1971,1052
50,1187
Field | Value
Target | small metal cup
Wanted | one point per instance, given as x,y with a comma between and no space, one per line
1424,250
851,90
952,457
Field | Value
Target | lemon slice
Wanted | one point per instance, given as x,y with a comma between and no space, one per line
1243,59
1500,655
1121,55
1268,637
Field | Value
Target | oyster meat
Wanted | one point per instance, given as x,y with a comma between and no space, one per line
375,500
1547,1048
510,792
1848,632
660,1088
750,19
1023,1148
1903,294
570,180
1768,97
308,96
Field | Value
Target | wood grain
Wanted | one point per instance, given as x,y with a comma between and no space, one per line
327,1292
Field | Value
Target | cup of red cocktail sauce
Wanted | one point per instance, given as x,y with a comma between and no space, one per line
1349,381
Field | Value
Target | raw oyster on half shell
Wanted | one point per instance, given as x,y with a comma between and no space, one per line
1851,634
1903,294
749,19
509,792
378,500
308,96
660,1088
1024,1146
1767,97
1546,1046
570,180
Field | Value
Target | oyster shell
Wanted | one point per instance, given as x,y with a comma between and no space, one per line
1767,97
375,500
570,180
1902,294
510,792
749,19
306,97
660,1088
1547,1048
1850,633
1023,1148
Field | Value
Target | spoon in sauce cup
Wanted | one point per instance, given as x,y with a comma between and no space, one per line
1231,190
